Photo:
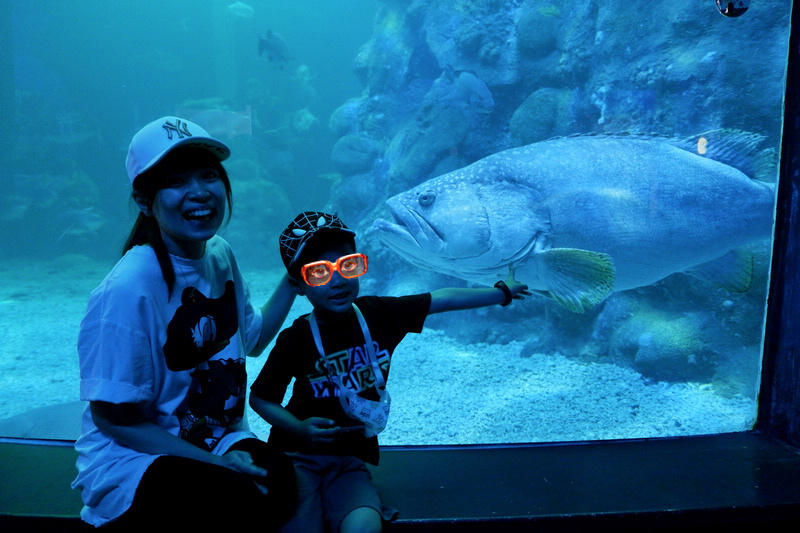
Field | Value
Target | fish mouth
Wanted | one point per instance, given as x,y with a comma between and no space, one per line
410,231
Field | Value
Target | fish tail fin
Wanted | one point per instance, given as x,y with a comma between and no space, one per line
733,271
766,165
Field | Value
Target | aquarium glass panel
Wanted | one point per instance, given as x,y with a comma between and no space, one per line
619,158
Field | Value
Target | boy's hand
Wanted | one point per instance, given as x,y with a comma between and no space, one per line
318,430
518,290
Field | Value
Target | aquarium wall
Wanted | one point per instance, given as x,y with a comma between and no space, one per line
622,159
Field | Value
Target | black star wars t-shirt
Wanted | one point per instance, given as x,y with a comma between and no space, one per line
295,356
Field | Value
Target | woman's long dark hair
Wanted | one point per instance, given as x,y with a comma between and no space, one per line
145,230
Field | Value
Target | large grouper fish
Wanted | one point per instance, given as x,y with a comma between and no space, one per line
580,217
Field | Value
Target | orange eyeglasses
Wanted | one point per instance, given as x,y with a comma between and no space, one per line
320,272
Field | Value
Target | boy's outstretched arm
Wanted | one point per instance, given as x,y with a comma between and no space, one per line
454,299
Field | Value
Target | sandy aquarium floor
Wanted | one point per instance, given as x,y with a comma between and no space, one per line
443,391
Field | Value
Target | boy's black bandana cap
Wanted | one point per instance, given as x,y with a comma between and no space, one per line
302,228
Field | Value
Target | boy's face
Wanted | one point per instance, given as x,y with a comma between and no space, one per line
335,297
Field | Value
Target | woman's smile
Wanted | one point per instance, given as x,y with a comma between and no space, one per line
203,214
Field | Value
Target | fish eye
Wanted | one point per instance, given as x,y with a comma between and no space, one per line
426,198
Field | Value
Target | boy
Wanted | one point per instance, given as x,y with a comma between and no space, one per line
333,353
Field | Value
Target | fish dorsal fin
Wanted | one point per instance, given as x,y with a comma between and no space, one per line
577,279
736,148
732,147
733,271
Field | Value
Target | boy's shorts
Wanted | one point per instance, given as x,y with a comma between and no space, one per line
329,488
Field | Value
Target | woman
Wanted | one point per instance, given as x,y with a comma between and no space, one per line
162,349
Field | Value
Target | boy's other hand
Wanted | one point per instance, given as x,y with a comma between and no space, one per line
318,430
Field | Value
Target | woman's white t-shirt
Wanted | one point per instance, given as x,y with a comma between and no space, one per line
180,355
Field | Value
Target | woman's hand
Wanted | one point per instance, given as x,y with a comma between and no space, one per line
240,461
127,424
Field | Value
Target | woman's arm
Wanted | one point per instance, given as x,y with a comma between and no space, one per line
126,424
455,299
273,314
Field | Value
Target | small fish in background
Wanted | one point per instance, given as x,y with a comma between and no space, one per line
70,130
82,222
13,207
474,92
303,77
302,74
275,47
221,123
241,10
303,121
38,191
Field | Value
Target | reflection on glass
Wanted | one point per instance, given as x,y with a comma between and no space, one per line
733,9
644,228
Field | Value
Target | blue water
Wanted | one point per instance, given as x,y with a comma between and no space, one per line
358,101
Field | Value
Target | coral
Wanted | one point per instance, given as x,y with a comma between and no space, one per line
545,113
345,118
417,148
353,196
536,35
354,154
664,346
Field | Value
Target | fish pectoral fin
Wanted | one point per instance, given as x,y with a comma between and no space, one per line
733,271
577,279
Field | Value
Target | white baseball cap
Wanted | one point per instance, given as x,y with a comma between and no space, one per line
157,139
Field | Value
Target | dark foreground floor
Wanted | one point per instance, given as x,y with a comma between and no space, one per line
743,481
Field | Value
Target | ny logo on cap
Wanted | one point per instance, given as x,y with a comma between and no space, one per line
180,128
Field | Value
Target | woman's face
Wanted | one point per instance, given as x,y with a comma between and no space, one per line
189,209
